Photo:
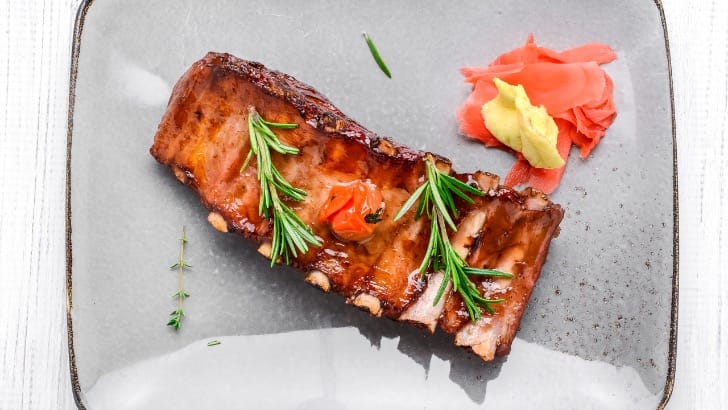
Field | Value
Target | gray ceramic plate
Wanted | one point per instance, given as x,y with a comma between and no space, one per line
600,328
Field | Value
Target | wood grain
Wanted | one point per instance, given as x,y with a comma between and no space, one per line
699,43
35,41
34,57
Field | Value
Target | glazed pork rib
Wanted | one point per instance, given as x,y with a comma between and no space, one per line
203,139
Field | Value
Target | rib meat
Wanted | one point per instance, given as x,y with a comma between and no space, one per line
203,139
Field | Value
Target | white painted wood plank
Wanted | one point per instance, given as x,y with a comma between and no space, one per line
699,41
34,55
34,58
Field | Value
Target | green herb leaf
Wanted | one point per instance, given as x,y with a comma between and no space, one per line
487,272
213,343
375,54
280,125
374,218
411,201
181,294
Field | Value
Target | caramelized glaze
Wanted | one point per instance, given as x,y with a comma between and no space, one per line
203,138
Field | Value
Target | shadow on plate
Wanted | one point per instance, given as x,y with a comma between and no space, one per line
307,308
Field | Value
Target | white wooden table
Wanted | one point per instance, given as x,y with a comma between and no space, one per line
35,39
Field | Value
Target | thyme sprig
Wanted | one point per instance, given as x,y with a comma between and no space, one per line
176,320
290,234
437,199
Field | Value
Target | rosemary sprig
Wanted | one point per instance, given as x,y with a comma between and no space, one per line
176,320
437,199
290,234
375,54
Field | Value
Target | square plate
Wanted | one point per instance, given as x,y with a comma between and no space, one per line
600,328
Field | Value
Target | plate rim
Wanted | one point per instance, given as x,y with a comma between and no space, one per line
80,19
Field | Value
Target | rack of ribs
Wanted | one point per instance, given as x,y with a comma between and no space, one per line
203,139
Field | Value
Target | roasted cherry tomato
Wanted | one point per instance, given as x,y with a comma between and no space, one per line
353,210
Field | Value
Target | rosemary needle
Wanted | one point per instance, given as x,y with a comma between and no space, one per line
375,54
213,343
436,199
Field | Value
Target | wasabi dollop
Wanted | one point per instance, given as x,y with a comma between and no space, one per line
520,125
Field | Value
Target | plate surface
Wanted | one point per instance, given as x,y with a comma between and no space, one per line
597,332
